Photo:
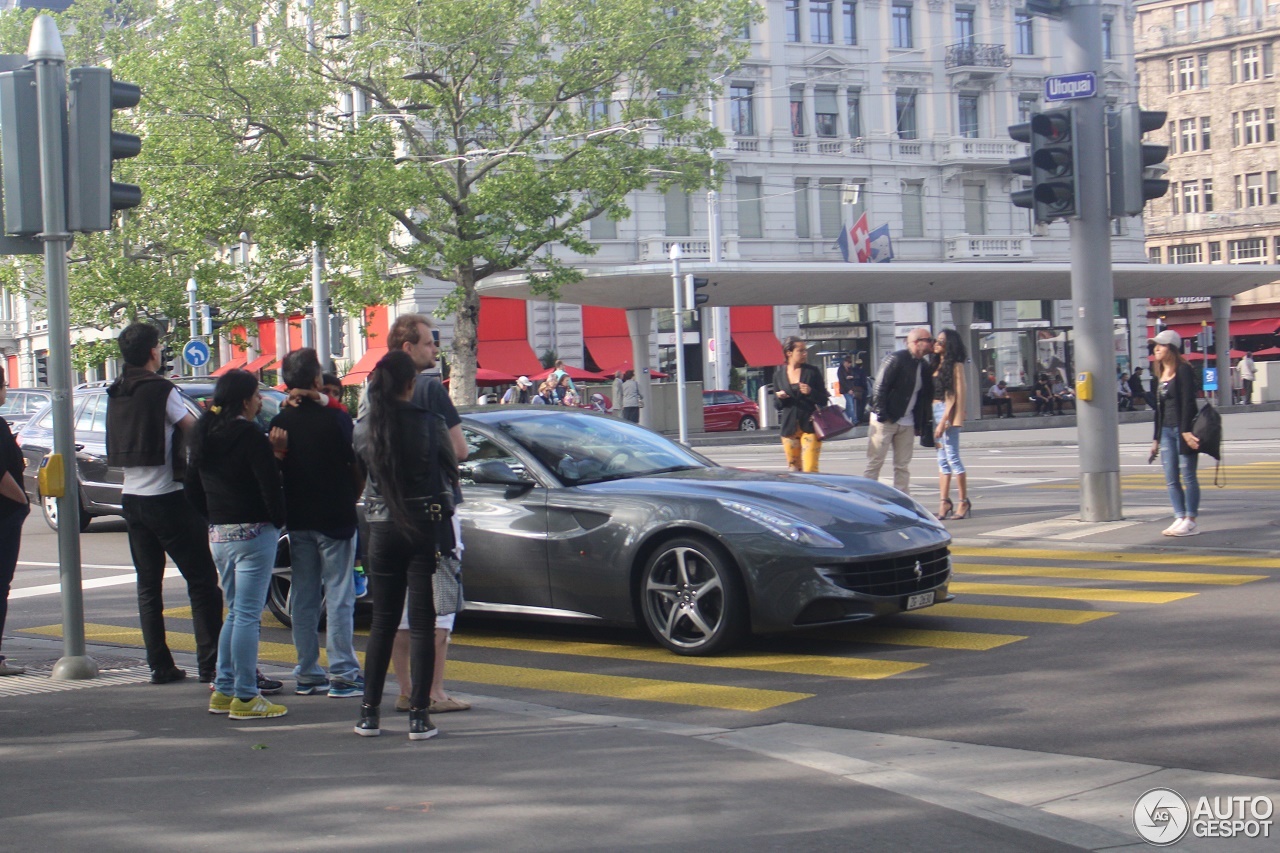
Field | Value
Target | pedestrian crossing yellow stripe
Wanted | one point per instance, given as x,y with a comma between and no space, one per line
1002,613
1106,574
824,666
620,687
1069,593
617,687
964,640
1255,476
1171,558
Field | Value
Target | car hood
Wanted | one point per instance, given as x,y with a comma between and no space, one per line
836,503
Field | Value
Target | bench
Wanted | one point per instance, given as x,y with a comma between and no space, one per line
1020,399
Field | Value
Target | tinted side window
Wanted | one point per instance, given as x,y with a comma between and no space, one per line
84,421
481,448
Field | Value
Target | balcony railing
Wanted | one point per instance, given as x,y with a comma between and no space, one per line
659,248
966,150
985,247
969,56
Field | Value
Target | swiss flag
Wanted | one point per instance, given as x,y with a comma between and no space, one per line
858,235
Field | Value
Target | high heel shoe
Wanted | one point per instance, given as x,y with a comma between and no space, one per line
967,506
945,509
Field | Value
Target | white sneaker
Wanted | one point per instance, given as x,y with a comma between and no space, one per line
1188,528
1172,529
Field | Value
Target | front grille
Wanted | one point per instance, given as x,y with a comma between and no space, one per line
892,576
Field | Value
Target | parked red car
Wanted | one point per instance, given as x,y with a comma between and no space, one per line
729,410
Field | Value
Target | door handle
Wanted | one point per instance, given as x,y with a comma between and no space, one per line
79,447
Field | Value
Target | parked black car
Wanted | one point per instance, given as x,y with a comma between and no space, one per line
101,484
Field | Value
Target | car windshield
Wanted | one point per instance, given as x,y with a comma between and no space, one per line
272,400
582,449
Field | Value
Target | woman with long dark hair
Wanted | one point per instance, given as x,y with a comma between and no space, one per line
1174,442
949,356
234,481
799,391
408,456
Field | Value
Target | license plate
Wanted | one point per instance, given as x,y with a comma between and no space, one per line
923,599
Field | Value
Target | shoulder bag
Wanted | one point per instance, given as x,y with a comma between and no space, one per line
927,427
830,421
446,586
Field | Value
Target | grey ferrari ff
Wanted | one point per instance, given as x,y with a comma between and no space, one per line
573,515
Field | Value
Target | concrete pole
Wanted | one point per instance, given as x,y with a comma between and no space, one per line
193,317
639,324
1222,337
45,51
1092,291
962,316
677,288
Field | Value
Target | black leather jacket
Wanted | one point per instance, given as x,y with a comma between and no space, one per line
427,466
896,381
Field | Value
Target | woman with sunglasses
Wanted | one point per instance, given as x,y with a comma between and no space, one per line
948,418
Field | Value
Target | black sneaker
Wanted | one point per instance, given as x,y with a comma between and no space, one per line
167,676
368,725
420,727
268,686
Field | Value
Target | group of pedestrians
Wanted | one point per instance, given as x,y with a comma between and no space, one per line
222,518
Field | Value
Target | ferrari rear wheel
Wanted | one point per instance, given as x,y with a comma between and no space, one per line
691,598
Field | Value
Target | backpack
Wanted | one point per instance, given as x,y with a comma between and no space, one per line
1207,427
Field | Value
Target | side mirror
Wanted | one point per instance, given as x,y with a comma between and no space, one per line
495,472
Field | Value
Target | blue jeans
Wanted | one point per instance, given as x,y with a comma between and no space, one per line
245,568
1184,495
949,448
322,561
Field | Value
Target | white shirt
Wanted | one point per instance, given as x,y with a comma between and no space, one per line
1246,369
158,479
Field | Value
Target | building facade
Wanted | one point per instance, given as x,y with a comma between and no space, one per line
1211,67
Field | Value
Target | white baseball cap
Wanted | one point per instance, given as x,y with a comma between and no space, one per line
523,381
1169,338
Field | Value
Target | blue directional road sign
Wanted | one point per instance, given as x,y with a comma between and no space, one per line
1211,379
195,353
1064,87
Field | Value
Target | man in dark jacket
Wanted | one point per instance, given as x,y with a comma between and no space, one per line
853,386
903,395
145,414
321,487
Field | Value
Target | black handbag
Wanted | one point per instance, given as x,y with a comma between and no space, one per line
926,432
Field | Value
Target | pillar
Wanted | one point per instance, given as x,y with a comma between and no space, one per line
962,316
640,325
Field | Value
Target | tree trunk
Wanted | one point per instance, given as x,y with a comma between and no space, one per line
462,367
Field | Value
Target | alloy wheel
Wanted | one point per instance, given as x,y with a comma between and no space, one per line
691,599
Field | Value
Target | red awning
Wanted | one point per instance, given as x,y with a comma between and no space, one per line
508,356
260,362
1254,327
610,353
238,361
357,374
758,349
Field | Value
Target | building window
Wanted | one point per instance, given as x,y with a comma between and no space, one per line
1270,122
1206,193
905,109
912,209
1268,67
1252,127
826,114
797,111
1273,188
849,16
1204,133
1250,250
854,100
1027,106
1190,197
1190,137
1250,64
829,218
1188,75
603,228
975,208
741,116
820,24
745,32
1215,252
676,212
1184,254
902,25
1253,189
1172,127
793,20
1153,254
1204,71
1175,198
802,207
969,115
1025,40
750,218
1034,309
1106,39
964,27
1171,84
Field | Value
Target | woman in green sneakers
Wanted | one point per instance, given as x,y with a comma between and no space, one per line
234,481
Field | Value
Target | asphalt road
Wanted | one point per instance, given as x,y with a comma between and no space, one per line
1089,648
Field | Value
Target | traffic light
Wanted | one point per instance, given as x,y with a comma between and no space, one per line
337,335
692,298
93,147
1051,166
1128,159
20,148
209,322
42,369
168,365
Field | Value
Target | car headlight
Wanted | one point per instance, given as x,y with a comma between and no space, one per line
788,527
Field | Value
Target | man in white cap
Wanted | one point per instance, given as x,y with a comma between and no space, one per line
518,393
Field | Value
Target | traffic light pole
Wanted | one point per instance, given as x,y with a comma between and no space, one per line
677,288
1092,290
46,53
